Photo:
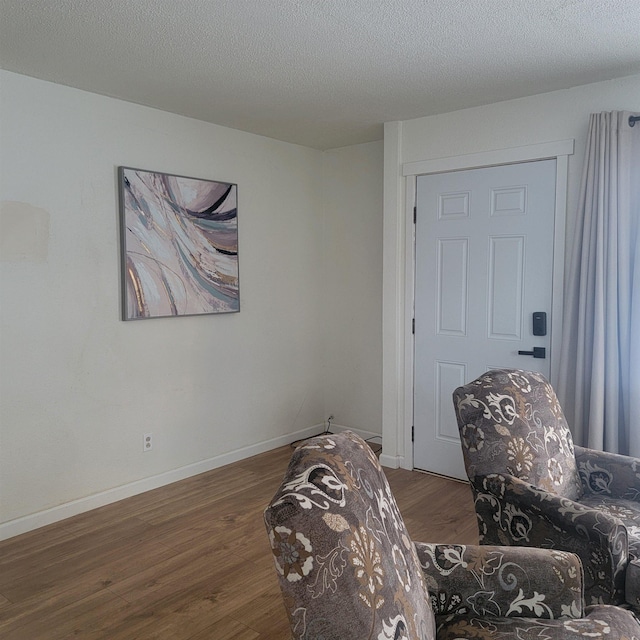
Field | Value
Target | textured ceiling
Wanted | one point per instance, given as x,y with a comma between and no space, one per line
321,73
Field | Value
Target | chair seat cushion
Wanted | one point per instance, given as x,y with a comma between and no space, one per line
627,511
602,621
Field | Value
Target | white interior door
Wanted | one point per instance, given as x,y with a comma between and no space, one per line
484,265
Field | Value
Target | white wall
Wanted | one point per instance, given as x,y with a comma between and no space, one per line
79,386
352,313
546,117
321,328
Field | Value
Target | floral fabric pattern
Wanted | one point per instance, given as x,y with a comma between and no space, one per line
502,581
523,429
603,622
348,570
334,526
532,487
292,552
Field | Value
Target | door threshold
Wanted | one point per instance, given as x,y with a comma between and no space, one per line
440,475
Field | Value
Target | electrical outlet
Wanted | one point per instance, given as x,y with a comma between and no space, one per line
147,443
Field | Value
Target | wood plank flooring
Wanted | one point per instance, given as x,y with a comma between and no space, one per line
189,561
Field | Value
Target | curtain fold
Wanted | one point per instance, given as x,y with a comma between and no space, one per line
599,381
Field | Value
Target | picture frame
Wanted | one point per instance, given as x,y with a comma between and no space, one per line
179,245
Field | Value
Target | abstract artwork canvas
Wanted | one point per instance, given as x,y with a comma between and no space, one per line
179,245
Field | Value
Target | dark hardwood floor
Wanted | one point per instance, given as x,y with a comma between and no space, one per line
189,561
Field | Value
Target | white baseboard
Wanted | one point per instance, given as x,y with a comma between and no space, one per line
55,514
75,507
392,462
365,435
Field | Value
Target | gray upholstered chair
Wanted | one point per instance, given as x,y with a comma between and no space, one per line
533,487
348,570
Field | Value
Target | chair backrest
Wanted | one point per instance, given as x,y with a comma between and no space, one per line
511,422
346,565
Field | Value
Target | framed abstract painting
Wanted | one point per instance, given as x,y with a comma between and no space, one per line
179,245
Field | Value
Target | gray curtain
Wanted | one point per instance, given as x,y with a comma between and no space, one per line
599,382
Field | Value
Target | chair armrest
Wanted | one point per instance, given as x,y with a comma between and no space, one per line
524,510
514,512
604,473
502,581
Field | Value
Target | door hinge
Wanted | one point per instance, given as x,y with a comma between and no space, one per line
415,214
413,434
413,326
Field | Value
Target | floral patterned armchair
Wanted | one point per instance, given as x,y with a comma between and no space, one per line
533,487
348,570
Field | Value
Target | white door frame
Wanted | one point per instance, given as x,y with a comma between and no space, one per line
399,272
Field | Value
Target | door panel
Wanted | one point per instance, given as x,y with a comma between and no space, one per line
484,264
506,272
452,286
